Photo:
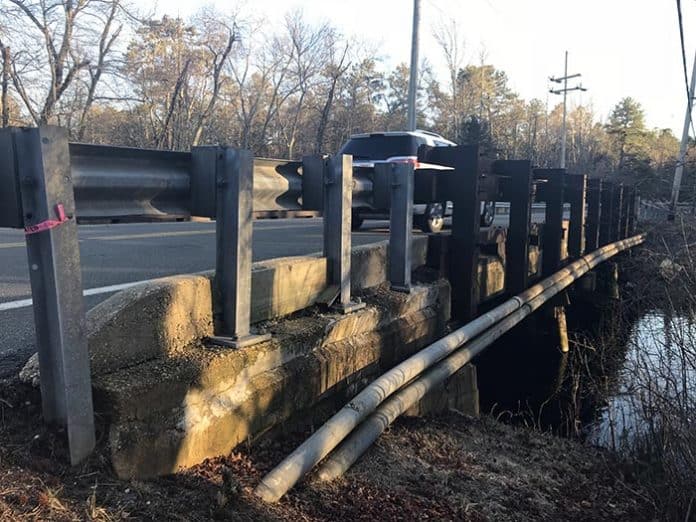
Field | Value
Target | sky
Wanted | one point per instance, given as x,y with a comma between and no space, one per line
621,47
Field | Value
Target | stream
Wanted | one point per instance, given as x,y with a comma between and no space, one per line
655,382
623,379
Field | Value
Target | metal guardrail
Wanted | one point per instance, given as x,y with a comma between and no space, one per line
142,184
48,183
121,182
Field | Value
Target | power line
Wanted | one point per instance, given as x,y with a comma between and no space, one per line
686,74
413,73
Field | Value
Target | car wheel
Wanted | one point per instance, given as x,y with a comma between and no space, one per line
355,220
488,214
433,221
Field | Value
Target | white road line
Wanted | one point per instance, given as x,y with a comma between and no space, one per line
24,303
12,305
146,235
12,245
258,226
153,234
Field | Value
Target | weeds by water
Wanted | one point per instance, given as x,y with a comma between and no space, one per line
645,371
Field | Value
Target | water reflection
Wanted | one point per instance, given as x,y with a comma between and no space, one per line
625,376
656,380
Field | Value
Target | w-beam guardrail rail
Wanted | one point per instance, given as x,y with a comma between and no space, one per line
660,211
48,183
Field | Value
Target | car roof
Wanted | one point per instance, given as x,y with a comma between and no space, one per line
417,133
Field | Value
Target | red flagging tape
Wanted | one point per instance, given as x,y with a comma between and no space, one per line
49,223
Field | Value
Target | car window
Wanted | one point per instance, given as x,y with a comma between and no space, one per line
422,141
380,147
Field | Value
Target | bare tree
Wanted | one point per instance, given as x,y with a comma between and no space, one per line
281,88
4,97
176,94
447,36
217,37
177,69
62,59
54,42
157,65
263,83
110,32
335,69
309,53
258,76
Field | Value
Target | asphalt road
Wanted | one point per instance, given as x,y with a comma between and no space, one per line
125,253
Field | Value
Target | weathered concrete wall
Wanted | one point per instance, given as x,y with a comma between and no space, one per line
202,401
166,315
171,401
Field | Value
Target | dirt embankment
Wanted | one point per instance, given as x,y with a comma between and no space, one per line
448,468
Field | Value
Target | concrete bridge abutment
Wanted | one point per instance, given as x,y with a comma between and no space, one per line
170,400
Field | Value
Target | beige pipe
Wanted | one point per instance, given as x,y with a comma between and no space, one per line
279,480
364,435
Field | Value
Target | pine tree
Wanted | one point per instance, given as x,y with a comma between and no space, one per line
627,130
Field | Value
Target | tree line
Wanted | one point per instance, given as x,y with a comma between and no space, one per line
114,75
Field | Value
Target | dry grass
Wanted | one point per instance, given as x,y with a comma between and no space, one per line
451,468
663,369
485,470
652,419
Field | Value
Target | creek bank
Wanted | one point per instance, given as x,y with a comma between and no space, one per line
628,381
450,468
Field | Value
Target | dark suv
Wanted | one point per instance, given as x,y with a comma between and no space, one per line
402,146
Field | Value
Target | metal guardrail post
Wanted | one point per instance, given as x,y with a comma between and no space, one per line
553,223
606,212
461,186
466,222
632,212
234,170
519,188
42,161
400,225
338,196
594,214
625,212
616,210
576,187
313,169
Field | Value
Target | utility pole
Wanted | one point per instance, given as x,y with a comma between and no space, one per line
413,77
5,109
679,170
565,90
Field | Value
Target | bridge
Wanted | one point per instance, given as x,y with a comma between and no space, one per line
174,348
